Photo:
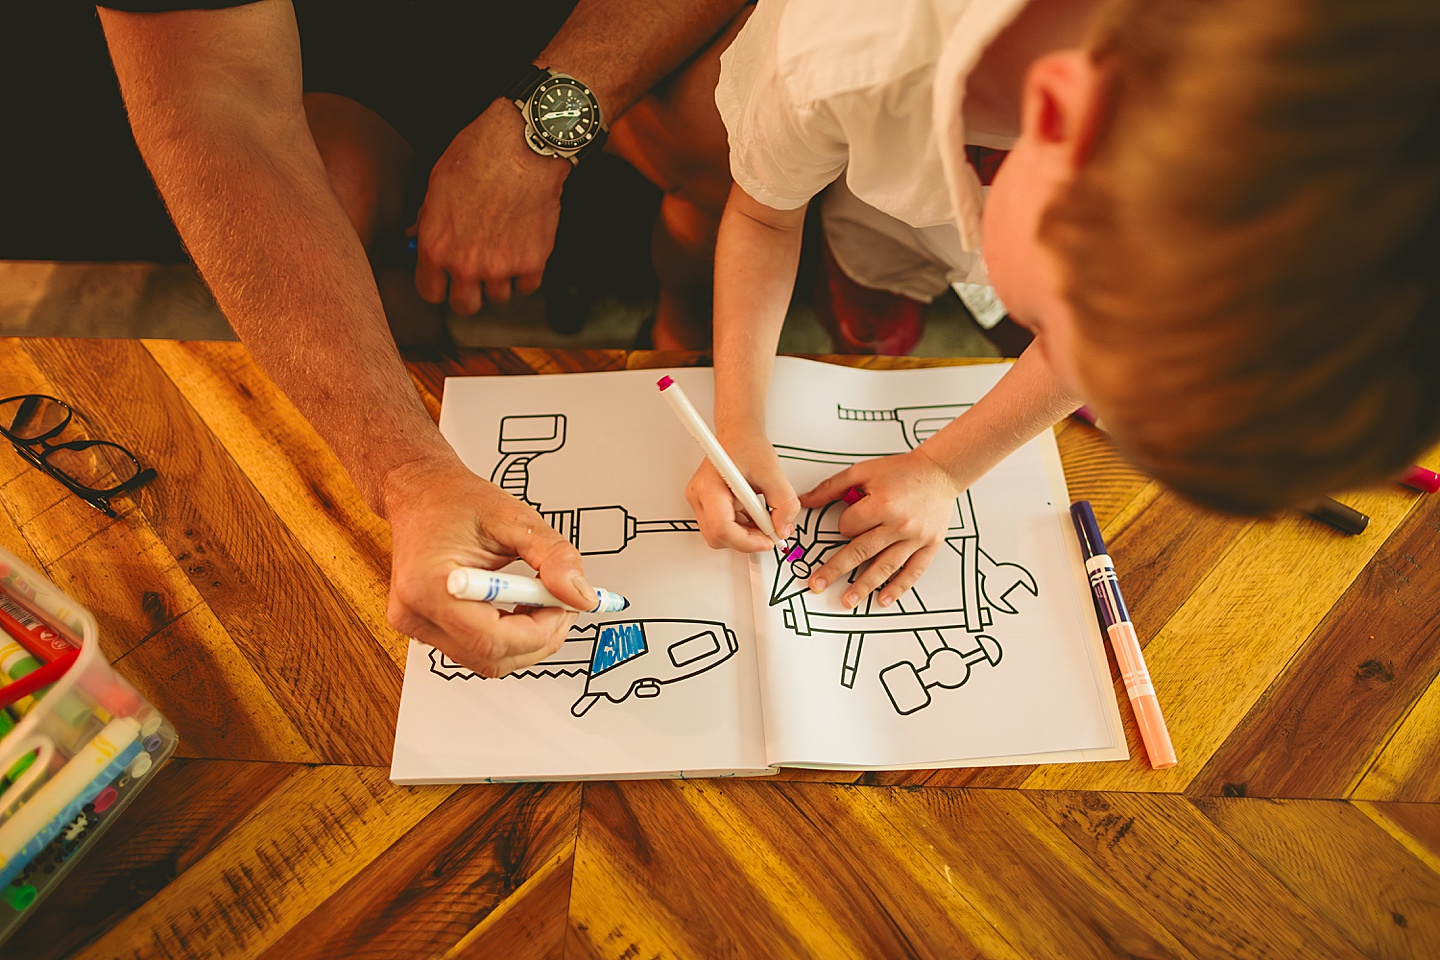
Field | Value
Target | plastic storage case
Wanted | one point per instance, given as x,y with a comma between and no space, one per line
91,716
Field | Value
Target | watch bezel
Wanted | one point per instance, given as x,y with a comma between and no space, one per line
532,113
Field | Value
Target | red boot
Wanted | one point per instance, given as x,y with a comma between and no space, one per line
862,319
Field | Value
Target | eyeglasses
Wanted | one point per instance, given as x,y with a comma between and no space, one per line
93,470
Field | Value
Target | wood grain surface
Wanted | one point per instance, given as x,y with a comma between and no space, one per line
244,593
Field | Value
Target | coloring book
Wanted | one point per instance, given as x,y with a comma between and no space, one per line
725,664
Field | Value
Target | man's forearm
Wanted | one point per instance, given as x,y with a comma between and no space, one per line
622,48
290,274
225,136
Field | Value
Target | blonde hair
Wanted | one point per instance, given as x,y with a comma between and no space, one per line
1252,245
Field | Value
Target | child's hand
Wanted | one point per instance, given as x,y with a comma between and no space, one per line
898,525
722,523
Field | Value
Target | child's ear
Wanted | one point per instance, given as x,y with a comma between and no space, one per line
1064,103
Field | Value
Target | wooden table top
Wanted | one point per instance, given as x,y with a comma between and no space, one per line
244,594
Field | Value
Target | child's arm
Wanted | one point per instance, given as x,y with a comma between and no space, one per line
902,520
756,255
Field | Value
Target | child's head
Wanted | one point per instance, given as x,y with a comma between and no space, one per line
1237,238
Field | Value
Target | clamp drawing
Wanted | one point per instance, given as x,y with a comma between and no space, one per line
951,639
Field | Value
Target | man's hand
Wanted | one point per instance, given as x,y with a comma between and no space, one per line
489,217
898,525
442,516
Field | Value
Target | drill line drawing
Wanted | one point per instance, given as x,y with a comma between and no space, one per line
951,639
593,530
621,659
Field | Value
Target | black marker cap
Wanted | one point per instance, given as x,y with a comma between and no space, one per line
1091,543
1336,514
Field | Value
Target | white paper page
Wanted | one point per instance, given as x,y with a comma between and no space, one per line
620,452
861,690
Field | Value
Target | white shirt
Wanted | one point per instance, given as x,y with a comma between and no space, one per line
871,89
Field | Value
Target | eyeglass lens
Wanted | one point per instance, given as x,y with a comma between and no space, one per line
96,464
30,418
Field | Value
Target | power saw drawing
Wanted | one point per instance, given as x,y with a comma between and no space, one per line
623,658
951,640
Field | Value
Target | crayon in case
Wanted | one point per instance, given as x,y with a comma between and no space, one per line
74,754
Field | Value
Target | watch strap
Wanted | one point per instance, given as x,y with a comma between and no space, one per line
527,82
595,143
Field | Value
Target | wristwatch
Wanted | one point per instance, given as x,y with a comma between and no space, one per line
562,116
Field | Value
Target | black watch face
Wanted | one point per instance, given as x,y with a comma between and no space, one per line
564,113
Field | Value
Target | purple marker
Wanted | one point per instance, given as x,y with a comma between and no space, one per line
1115,618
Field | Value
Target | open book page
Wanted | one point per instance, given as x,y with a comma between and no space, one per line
666,687
994,657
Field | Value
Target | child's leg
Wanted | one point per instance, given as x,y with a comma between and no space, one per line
369,165
675,137
876,276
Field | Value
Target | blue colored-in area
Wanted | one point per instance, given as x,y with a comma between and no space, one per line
617,643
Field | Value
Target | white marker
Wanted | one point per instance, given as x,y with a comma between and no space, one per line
468,583
62,788
730,473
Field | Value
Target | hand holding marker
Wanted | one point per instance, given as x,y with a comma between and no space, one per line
468,583
717,456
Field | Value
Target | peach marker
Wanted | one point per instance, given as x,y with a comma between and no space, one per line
1115,618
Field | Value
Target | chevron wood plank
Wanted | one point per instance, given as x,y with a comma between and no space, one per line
244,591
531,924
475,877
1222,649
11,539
19,374
1190,876
293,469
236,717
432,367
295,849
1162,554
1316,730
1095,471
1408,766
1415,826
1018,869
264,588
190,808
1385,901
130,580
28,492
755,869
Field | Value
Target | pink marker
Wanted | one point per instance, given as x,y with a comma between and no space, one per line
734,479
1086,414
1116,620
853,496
1418,478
